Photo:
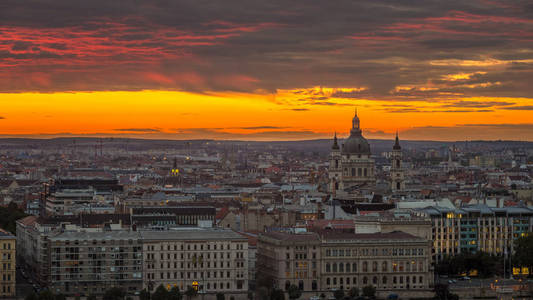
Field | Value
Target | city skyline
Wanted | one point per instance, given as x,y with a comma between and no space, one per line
266,71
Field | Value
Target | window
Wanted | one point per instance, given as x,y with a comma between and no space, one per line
384,266
365,266
365,280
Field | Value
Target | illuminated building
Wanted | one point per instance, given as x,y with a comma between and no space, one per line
8,255
351,165
477,228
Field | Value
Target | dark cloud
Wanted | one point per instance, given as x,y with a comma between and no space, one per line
523,107
2,118
504,131
194,45
145,130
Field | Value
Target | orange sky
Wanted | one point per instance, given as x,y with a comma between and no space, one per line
254,116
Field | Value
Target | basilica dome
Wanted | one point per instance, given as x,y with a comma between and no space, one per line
356,143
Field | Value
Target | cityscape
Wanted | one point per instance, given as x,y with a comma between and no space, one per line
266,150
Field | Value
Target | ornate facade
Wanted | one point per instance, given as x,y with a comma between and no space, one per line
396,171
351,165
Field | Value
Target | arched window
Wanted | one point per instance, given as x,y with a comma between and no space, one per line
287,285
301,285
354,267
334,267
374,266
375,280
347,267
328,282
398,186
384,266
365,266
336,163
365,280
384,280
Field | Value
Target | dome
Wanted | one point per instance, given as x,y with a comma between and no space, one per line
356,144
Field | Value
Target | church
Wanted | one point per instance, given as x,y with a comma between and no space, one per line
352,167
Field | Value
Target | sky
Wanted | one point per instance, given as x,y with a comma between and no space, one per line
266,70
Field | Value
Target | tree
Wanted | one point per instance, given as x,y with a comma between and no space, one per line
338,294
175,293
60,297
369,291
191,292
294,292
354,292
143,295
31,296
523,247
443,293
114,293
160,293
46,295
277,294
220,296
93,297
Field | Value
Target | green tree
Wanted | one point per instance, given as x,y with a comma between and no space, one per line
369,291
220,296
294,292
354,292
277,294
523,247
175,293
46,295
160,293
338,294
144,295
114,293
60,297
191,292
31,296
93,297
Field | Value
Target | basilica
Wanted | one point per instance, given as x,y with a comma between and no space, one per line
351,166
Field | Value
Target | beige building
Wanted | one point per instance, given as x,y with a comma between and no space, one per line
394,262
8,255
207,259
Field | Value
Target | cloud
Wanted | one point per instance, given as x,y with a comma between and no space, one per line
2,118
504,131
144,130
103,45
523,107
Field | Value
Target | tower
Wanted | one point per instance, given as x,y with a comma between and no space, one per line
351,166
335,167
396,171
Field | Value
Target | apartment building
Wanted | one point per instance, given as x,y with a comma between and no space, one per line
329,260
477,228
8,271
208,259
85,263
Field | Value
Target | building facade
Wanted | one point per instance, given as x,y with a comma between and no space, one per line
207,259
332,260
351,165
474,228
93,262
8,271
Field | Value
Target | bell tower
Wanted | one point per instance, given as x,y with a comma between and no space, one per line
396,171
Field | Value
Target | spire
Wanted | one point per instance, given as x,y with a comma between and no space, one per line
397,143
335,144
355,122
